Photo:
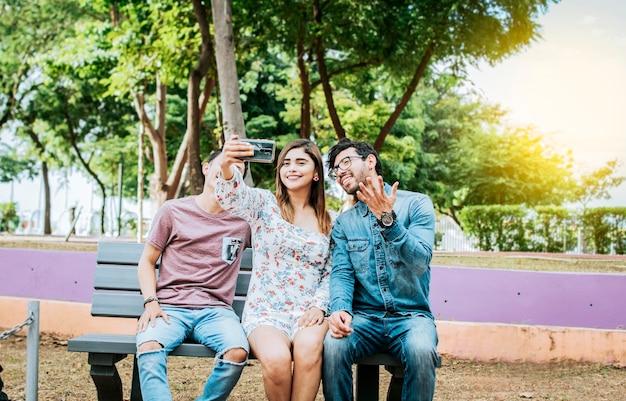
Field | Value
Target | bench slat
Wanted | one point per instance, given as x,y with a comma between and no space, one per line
116,277
125,344
129,253
121,304
124,278
123,253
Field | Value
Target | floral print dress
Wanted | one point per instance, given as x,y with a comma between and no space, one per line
291,265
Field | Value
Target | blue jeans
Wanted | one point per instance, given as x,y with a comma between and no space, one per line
411,339
216,327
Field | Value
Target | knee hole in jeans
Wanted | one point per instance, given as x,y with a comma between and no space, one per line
149,346
236,355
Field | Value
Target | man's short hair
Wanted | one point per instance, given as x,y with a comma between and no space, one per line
216,153
363,149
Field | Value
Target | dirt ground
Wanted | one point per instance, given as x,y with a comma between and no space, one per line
64,376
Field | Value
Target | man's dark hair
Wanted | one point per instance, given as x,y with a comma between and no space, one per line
216,153
212,156
363,149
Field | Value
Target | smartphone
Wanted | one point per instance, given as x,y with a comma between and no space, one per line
264,150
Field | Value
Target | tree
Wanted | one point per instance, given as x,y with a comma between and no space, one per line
12,167
336,43
596,184
232,115
29,29
510,168
157,43
71,106
454,146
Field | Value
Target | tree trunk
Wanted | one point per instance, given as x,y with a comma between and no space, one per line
232,114
194,117
47,227
324,78
410,90
85,164
159,189
305,104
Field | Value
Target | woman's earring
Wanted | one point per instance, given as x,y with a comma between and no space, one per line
316,178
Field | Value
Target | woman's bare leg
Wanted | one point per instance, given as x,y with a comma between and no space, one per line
308,345
273,349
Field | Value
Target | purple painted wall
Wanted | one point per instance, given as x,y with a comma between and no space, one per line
457,294
56,275
529,297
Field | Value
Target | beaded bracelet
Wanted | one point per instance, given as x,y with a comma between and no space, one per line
150,299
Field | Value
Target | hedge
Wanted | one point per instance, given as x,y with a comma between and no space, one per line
553,229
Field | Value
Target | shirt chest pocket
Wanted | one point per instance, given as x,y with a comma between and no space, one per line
358,250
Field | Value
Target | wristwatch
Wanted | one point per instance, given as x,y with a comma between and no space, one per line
387,219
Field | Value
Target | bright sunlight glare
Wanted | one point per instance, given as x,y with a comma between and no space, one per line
571,84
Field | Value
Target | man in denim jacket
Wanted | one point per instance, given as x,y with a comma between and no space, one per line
380,277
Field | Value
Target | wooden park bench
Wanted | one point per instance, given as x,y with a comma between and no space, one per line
117,294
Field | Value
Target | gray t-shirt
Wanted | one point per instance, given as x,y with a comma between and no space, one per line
201,254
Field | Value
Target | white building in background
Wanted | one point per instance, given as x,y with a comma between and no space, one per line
72,196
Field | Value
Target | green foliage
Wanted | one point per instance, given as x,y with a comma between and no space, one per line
545,228
605,230
14,168
9,219
84,61
497,227
596,185
513,167
554,229
151,38
333,204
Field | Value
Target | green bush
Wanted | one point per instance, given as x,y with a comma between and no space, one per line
497,227
9,219
605,230
554,230
545,228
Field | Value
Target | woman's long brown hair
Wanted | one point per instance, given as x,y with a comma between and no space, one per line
318,195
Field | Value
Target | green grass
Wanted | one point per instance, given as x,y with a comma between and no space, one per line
516,261
535,262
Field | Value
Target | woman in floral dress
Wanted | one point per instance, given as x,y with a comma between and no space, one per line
284,315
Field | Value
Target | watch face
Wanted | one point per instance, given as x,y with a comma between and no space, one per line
387,219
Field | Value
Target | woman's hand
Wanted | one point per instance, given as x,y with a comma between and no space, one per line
312,317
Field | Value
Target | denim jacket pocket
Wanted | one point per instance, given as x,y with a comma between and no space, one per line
358,250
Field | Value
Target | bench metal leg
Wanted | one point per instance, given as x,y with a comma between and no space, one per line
366,382
394,392
135,390
105,376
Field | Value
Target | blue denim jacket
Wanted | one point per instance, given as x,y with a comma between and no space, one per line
379,271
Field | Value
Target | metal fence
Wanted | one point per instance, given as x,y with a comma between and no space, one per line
449,236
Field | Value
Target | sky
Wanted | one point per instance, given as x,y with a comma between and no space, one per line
571,84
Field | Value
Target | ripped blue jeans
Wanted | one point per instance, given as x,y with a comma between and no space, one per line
217,328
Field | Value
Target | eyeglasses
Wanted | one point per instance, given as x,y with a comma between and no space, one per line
343,165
